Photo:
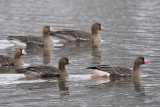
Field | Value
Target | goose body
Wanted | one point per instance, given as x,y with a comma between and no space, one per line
11,61
26,40
47,71
118,71
30,39
79,35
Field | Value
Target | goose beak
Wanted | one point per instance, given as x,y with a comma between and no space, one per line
102,28
146,61
52,30
24,52
70,63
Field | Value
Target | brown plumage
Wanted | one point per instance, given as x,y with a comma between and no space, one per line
120,71
47,71
78,35
30,39
11,61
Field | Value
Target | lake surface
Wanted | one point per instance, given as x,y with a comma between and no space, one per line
132,30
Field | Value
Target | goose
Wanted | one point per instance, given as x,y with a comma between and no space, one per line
118,71
79,35
11,61
44,40
47,71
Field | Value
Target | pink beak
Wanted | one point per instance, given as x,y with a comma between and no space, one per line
146,61
70,63
102,28
52,30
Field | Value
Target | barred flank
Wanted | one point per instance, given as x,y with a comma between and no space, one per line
76,34
42,71
29,38
115,70
6,60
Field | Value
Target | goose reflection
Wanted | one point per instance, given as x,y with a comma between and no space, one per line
48,83
94,47
121,82
138,87
47,52
64,89
96,52
9,69
48,55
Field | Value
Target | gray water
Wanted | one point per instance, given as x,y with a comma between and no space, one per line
132,30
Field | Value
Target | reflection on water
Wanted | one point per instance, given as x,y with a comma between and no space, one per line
63,87
9,69
138,87
47,53
132,30
96,52
136,82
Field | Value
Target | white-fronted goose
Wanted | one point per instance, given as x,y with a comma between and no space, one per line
47,71
16,60
78,35
118,71
44,40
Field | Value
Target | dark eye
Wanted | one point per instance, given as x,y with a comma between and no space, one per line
20,49
142,58
67,60
99,24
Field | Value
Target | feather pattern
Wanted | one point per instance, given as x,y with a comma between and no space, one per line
41,71
79,35
47,71
6,60
114,70
73,34
27,39
31,40
120,71
16,60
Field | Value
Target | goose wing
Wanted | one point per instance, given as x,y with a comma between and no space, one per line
27,39
41,71
115,70
72,35
6,60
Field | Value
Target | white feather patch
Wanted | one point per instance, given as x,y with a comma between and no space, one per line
18,43
51,28
99,72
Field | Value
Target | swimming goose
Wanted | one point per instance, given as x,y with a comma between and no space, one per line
47,71
46,40
118,71
78,35
16,60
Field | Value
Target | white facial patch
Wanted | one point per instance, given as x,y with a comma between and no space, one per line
24,52
51,28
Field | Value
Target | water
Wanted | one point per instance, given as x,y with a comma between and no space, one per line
132,29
